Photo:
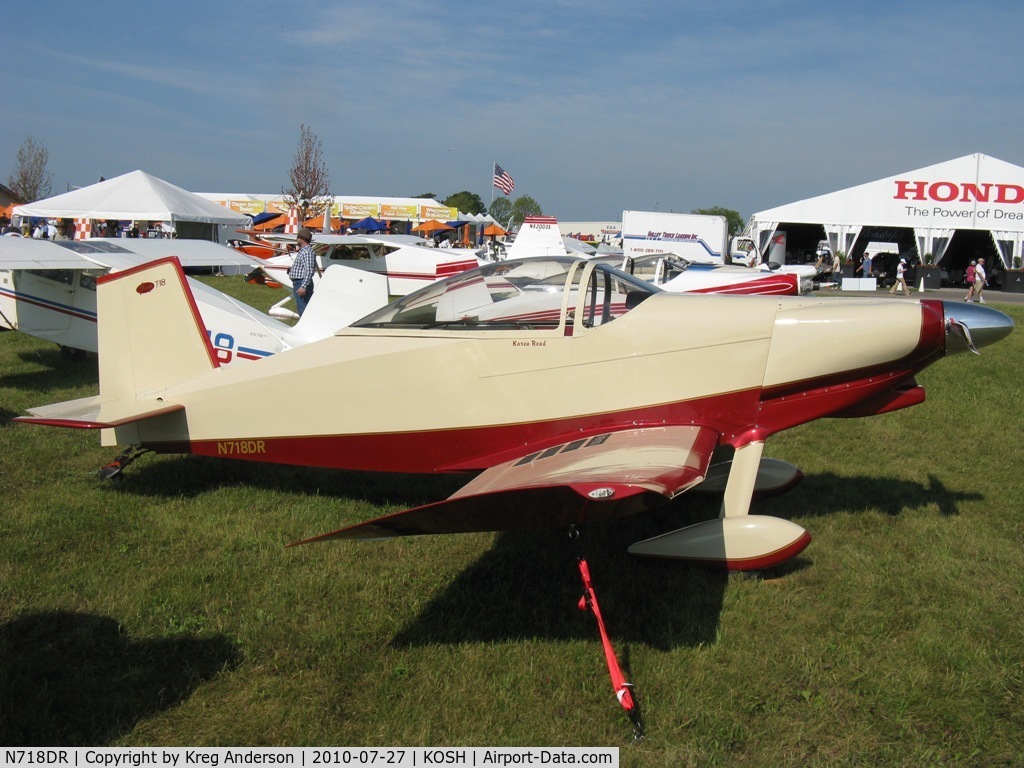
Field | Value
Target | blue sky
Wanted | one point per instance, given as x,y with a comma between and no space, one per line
592,106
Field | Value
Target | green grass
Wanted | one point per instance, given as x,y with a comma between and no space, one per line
166,610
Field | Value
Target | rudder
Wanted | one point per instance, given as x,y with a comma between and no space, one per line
151,334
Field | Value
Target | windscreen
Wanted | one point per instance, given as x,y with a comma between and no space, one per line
520,294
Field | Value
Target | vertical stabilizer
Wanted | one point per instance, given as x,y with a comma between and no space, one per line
537,237
150,332
342,296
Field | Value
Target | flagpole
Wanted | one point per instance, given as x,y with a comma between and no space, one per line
494,165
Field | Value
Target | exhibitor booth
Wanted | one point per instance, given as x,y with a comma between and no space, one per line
944,215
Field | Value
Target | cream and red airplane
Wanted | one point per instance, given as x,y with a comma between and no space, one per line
595,395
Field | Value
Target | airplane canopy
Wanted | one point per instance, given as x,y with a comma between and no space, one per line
971,192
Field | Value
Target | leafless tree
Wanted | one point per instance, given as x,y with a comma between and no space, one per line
30,180
310,189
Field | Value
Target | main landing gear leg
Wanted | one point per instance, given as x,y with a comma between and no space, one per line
623,689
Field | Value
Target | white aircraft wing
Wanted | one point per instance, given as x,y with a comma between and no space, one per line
190,253
27,253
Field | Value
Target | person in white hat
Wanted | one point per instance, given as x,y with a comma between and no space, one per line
901,279
980,280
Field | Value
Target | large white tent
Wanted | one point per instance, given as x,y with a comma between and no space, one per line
138,196
974,192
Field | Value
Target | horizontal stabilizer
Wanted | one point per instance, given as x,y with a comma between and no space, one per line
92,413
577,482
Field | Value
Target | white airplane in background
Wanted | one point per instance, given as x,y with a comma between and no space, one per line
48,290
407,261
539,237
676,274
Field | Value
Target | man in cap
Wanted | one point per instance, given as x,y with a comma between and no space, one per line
980,280
302,271
901,279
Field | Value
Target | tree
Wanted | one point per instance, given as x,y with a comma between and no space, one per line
465,201
525,206
501,211
30,180
310,189
736,223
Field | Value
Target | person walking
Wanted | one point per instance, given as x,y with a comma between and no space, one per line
302,271
969,279
971,270
980,280
901,279
865,266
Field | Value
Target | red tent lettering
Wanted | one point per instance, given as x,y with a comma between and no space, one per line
950,191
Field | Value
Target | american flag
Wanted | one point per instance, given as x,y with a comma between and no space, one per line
502,180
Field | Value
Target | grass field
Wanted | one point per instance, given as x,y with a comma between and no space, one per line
165,609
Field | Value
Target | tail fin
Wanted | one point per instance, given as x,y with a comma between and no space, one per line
150,336
538,236
342,296
150,331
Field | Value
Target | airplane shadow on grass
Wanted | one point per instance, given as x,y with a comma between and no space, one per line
190,476
821,494
75,679
828,493
58,373
527,584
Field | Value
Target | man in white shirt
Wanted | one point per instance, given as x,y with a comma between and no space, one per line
979,280
901,279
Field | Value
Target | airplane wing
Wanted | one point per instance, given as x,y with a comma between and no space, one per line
190,253
27,253
122,253
584,480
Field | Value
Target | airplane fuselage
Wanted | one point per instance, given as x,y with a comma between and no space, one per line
424,400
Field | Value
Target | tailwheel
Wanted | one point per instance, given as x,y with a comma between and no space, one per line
115,469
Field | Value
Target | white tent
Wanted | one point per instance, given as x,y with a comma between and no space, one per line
974,192
137,196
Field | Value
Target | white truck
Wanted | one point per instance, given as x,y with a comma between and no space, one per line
696,237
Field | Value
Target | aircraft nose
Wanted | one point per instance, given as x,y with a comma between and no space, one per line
971,326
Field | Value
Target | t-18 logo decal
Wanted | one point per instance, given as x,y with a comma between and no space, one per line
225,350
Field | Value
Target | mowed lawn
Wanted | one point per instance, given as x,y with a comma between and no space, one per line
167,610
